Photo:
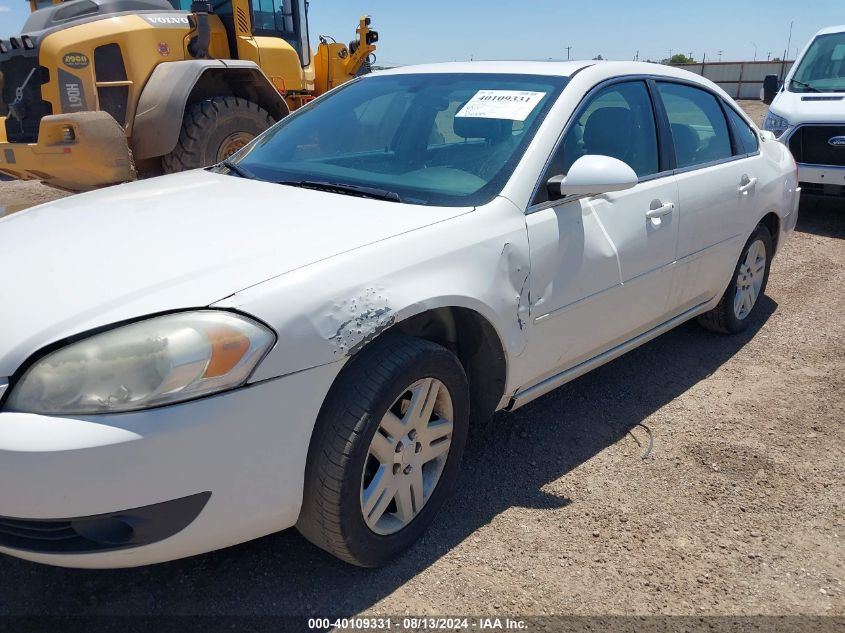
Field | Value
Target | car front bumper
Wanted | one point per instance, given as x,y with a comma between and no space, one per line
97,156
239,458
822,180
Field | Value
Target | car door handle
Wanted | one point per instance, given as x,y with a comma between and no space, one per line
746,185
660,211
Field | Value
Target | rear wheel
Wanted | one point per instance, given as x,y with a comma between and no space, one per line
213,130
733,312
386,449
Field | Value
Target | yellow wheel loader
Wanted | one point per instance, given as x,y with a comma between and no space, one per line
96,91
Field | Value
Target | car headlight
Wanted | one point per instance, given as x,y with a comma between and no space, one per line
150,363
775,124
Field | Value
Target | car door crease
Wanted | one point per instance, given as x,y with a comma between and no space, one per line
558,311
607,237
687,257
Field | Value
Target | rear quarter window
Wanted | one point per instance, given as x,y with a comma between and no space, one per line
746,137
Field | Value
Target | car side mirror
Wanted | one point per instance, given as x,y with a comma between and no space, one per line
770,88
592,175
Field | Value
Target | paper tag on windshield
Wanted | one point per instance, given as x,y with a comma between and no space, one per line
514,105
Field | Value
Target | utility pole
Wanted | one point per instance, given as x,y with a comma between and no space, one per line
768,56
720,55
568,48
789,42
637,56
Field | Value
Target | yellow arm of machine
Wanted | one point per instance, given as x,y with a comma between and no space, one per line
335,63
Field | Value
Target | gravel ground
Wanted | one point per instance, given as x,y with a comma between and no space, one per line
737,510
756,110
17,195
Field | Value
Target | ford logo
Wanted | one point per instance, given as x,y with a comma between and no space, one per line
837,141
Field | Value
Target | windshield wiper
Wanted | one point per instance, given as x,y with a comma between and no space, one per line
240,171
345,188
804,84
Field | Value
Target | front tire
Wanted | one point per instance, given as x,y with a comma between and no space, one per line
386,450
748,283
213,130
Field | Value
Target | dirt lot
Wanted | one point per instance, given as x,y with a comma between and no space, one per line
756,110
16,195
739,509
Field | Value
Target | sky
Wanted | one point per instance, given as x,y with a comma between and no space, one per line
446,30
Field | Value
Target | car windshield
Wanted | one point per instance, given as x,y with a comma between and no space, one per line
440,139
822,69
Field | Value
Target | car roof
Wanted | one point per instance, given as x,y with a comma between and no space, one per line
597,70
831,29
557,69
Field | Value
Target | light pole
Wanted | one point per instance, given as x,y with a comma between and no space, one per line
789,41
755,50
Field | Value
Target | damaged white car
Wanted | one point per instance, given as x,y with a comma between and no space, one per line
303,335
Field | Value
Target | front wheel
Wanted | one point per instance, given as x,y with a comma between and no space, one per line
213,130
386,450
734,311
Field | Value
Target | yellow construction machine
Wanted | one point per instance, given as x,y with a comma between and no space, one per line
94,92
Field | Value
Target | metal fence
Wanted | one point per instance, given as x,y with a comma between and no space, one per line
741,80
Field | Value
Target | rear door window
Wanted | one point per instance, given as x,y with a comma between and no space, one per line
699,129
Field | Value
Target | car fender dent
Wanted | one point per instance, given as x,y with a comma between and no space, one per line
514,276
349,324
328,311
340,329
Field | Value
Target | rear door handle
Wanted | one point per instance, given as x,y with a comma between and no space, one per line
659,212
746,185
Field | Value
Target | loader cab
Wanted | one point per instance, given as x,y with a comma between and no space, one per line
285,19
34,5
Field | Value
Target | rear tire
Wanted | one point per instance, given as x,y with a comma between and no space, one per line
748,283
374,483
215,129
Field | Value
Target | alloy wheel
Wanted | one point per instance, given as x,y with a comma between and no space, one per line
749,280
406,456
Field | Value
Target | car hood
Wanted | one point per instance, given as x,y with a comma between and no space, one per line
169,243
810,107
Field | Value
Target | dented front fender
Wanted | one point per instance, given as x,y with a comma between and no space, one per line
330,310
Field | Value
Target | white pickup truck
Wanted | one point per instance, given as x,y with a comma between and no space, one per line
807,113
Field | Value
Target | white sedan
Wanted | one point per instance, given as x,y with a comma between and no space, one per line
304,334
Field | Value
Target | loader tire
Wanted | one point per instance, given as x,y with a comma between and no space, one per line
213,130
